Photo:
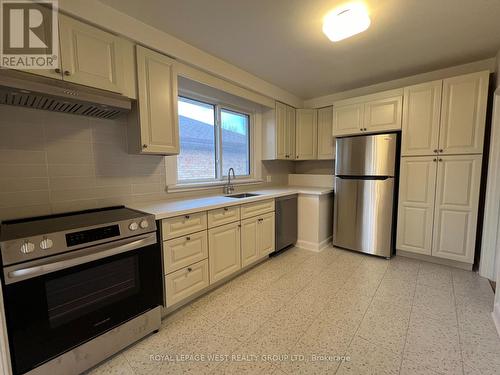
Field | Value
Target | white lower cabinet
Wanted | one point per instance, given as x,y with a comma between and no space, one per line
185,282
249,242
457,199
183,251
196,257
438,206
257,238
224,252
417,186
266,234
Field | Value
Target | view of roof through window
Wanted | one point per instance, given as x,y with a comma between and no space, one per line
198,138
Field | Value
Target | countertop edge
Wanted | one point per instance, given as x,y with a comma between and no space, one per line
161,209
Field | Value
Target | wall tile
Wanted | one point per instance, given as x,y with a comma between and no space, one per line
22,157
10,184
69,152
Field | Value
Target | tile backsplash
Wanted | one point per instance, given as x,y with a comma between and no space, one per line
51,162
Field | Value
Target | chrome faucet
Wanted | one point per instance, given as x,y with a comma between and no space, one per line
229,188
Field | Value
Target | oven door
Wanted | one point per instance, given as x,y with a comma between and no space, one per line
53,305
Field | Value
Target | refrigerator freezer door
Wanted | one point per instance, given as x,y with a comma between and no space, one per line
369,155
363,212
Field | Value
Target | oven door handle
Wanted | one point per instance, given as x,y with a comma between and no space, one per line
70,260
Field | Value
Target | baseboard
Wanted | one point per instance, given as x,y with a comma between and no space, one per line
431,259
314,246
496,316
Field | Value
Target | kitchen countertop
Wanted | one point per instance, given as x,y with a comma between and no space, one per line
170,208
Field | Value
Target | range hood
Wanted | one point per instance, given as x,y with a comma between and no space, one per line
37,92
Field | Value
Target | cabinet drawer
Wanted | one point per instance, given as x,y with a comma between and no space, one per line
257,208
222,216
183,251
182,225
186,281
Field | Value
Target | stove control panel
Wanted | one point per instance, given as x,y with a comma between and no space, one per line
48,244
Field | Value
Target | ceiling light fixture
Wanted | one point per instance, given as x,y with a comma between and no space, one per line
346,21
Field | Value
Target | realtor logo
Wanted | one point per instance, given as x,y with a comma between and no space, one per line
29,34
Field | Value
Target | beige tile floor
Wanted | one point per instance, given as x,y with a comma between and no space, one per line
325,313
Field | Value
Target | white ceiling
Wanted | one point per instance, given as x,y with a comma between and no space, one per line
281,41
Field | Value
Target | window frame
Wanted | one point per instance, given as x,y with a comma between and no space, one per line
173,184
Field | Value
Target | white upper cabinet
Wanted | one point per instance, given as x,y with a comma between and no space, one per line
383,114
348,119
326,142
456,208
306,134
368,114
90,56
421,116
290,126
463,113
281,131
158,128
278,136
417,184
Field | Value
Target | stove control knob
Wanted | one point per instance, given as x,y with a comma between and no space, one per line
27,247
133,226
144,224
46,244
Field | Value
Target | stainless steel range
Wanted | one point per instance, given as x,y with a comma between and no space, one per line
79,287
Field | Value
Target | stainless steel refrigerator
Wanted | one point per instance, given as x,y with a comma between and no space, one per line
364,204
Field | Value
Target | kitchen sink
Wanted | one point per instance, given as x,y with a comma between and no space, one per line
242,195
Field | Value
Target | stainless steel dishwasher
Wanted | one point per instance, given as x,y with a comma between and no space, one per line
285,221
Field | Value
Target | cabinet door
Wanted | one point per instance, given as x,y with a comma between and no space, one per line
183,251
185,282
326,143
266,234
51,73
290,132
421,116
383,114
306,134
463,114
348,119
457,198
224,251
157,100
281,131
90,56
249,243
416,204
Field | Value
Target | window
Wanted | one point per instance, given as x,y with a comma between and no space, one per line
213,138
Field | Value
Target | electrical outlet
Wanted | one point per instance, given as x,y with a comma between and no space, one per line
269,178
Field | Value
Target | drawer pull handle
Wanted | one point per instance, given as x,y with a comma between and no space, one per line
189,269
226,209
188,238
186,217
440,150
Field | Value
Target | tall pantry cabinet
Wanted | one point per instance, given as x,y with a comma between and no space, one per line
441,156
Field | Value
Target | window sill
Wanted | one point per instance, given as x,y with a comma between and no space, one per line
210,185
